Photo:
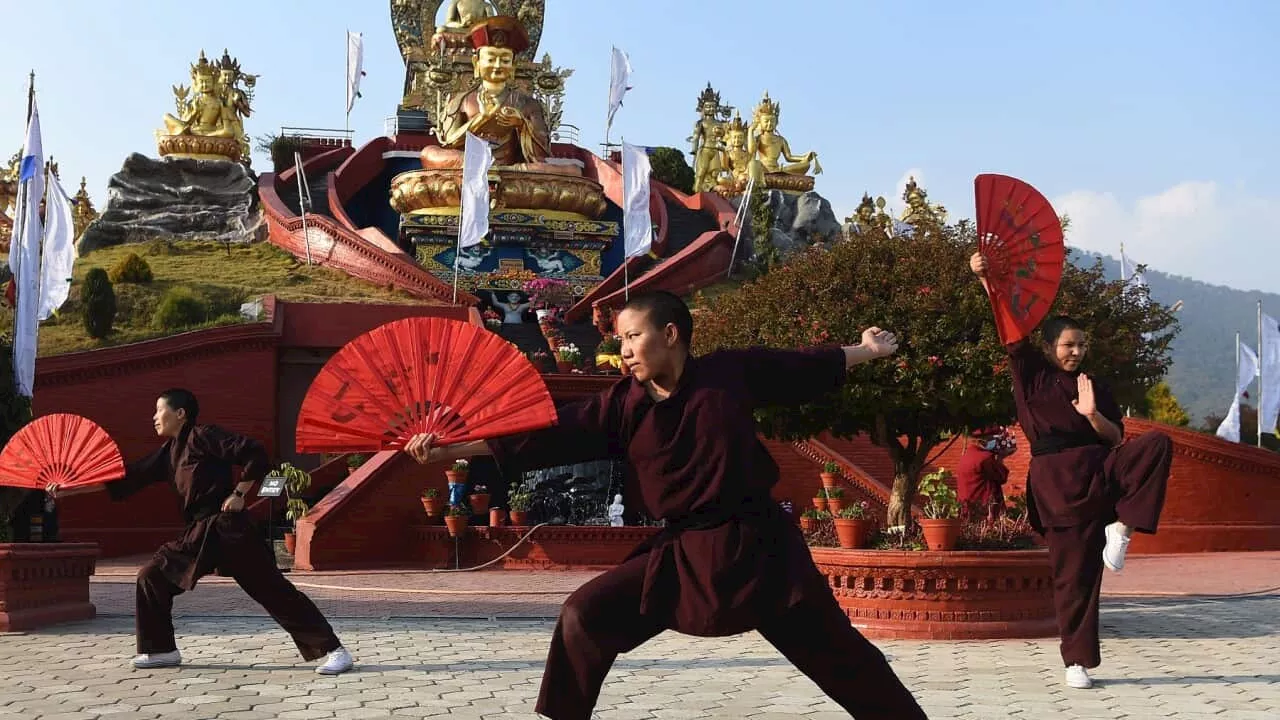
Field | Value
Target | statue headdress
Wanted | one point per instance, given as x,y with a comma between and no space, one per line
767,107
737,123
228,63
203,67
708,95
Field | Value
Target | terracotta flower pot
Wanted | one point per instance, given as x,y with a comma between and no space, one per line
496,516
851,532
820,503
941,534
834,505
457,524
456,476
431,505
806,524
564,367
829,480
290,542
520,517
480,503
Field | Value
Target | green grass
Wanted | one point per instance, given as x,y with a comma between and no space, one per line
225,280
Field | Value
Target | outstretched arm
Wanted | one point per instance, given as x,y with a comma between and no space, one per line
800,376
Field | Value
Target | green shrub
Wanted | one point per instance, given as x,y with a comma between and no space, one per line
670,168
98,298
131,269
180,307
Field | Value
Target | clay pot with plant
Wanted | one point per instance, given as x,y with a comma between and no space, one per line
519,502
811,517
456,518
830,475
941,523
820,500
296,482
479,499
835,499
852,525
458,472
431,502
354,461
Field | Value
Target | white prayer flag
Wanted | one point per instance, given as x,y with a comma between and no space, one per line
355,67
1246,373
59,253
1269,385
477,158
24,257
637,227
619,83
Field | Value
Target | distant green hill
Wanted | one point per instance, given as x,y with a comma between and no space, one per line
1204,353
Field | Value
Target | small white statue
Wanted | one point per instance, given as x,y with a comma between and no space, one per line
615,512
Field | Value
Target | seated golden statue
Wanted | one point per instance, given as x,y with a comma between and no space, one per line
208,126
770,150
459,17
918,209
735,159
513,122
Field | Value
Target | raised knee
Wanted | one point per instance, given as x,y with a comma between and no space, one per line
576,613
148,574
1160,441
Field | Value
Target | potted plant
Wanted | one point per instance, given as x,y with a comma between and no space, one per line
851,525
941,522
431,502
519,502
296,482
811,517
830,474
479,499
496,516
835,499
568,357
548,293
354,461
609,354
820,500
456,518
458,471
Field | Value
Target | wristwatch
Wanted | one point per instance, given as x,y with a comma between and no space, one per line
237,492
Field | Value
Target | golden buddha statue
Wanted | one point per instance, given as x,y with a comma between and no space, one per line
465,14
82,212
775,166
513,122
208,126
918,208
735,160
707,140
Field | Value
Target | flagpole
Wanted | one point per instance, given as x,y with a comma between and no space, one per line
347,80
457,251
1261,389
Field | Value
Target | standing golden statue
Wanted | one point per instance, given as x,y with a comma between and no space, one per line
513,122
210,125
707,140
83,211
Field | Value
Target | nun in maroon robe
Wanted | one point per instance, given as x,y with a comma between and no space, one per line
729,559
1089,488
981,475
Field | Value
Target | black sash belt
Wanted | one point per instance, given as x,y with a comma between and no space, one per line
1057,443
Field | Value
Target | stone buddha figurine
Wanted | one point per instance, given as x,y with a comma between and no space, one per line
772,150
511,121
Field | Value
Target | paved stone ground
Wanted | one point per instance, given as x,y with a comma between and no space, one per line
1164,657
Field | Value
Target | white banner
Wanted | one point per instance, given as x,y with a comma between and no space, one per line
24,257
1246,373
355,67
1270,382
619,83
477,158
637,227
59,253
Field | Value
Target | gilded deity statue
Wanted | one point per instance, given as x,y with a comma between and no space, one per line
869,214
918,208
83,211
707,140
512,121
210,125
735,160
771,149
465,14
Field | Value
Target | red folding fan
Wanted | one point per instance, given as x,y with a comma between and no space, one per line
421,375
61,448
1021,237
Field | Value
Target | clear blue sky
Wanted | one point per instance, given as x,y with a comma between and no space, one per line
1152,122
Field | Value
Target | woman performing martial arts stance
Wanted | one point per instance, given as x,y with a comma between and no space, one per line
1088,488
197,460
729,559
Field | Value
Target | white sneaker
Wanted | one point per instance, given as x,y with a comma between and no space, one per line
335,663
1078,678
158,660
1117,545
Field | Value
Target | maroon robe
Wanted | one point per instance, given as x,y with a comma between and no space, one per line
199,463
729,560
1077,484
980,479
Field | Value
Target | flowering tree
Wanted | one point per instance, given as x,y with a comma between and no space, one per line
950,372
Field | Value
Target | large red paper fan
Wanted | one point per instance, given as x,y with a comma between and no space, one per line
65,449
1021,237
421,375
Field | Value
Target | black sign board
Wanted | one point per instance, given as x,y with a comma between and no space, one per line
272,486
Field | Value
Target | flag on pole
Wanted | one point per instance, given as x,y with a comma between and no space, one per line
477,158
355,67
637,227
619,83
1246,372
24,256
1269,384
59,250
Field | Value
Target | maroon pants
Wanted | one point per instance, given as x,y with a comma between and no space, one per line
248,560
1138,472
602,619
